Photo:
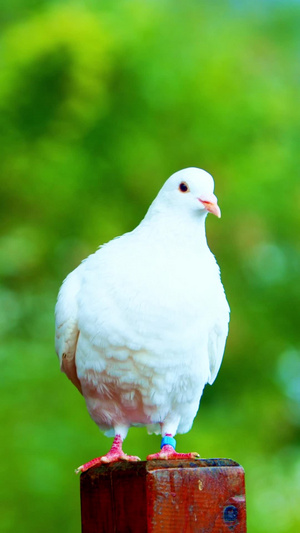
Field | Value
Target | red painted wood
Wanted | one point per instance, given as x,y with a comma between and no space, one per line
203,496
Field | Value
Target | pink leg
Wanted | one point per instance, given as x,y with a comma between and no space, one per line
115,454
168,451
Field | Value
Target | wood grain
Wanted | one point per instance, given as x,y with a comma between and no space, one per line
205,495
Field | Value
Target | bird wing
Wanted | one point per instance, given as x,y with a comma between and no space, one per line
216,345
66,326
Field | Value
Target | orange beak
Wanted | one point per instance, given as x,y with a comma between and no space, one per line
211,206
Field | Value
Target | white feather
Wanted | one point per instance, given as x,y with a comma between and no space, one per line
143,322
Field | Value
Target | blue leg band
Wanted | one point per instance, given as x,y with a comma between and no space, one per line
168,440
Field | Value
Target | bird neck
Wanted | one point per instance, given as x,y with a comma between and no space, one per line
180,229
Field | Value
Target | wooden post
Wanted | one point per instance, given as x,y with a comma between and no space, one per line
205,495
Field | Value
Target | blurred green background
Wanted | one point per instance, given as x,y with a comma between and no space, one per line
99,103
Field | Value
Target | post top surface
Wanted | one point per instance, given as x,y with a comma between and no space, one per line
148,466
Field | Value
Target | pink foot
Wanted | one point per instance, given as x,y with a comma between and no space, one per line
168,452
115,454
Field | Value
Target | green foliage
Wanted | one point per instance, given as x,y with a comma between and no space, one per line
99,104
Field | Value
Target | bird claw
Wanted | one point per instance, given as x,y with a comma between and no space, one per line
107,459
167,452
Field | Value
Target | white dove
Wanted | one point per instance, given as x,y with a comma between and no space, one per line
141,324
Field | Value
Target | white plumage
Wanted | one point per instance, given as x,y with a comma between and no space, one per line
141,324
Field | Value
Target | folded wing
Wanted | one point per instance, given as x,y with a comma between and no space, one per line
216,345
66,326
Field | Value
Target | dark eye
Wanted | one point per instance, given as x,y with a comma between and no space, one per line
183,187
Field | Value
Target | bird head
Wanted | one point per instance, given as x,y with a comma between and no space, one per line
190,189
